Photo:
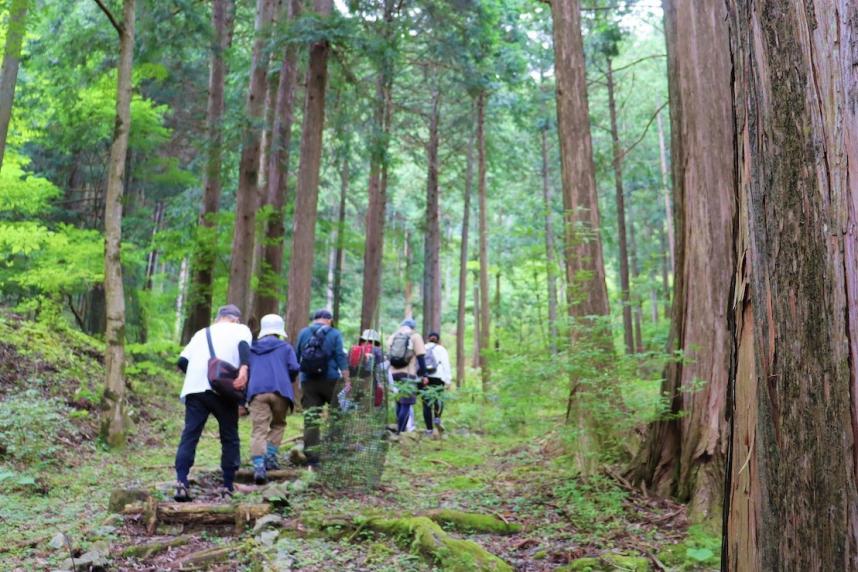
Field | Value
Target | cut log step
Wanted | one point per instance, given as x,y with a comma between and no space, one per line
197,513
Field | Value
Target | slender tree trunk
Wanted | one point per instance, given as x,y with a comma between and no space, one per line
432,238
625,290
114,422
485,309
375,214
792,462
475,362
202,264
15,30
152,258
586,292
307,196
247,194
684,454
550,259
497,309
180,297
637,308
463,267
276,194
341,239
666,187
409,285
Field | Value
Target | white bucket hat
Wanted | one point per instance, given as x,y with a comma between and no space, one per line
272,324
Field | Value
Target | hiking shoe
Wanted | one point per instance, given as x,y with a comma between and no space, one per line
259,476
437,424
271,463
429,432
182,494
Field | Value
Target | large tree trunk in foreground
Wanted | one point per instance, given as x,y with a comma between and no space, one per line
203,262
432,238
247,195
15,30
485,310
114,422
463,267
587,294
684,454
625,288
270,279
792,463
307,193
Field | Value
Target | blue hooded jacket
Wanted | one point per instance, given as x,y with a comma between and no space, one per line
273,365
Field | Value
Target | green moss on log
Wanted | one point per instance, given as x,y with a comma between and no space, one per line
472,522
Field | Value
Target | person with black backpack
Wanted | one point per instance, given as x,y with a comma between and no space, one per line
408,365
438,378
323,362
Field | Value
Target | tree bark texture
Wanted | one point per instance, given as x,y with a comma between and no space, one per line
340,250
15,30
377,191
463,266
276,192
475,361
307,192
791,489
203,262
634,270
247,194
587,293
684,454
485,308
550,258
432,237
114,422
625,288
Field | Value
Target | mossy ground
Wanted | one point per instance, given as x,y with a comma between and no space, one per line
519,478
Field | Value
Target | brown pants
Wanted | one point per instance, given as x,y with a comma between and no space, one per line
268,421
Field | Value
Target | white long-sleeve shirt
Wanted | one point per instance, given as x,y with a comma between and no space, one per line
443,372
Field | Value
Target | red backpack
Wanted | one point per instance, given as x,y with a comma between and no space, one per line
360,359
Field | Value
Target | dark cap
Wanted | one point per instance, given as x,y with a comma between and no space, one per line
435,335
230,310
323,315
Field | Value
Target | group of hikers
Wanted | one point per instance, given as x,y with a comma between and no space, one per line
228,372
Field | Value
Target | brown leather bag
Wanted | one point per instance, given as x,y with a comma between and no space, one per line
222,375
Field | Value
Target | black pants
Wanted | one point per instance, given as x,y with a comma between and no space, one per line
198,407
432,396
316,394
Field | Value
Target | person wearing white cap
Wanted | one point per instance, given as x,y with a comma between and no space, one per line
273,368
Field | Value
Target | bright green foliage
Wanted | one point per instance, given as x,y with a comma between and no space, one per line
22,194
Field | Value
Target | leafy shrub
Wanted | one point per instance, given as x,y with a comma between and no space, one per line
594,504
29,424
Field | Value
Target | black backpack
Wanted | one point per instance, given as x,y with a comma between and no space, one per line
314,358
401,350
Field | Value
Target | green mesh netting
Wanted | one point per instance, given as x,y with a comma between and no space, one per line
353,443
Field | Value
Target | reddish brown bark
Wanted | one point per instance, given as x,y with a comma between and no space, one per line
307,191
432,237
684,455
15,29
247,195
791,490
587,294
276,191
200,291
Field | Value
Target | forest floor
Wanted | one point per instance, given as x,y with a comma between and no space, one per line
563,519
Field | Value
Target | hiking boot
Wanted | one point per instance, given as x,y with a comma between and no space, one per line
182,493
271,463
259,476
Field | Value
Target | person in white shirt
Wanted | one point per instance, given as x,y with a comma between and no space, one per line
438,378
231,343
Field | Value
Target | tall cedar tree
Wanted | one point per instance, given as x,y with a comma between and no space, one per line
432,238
463,264
585,266
276,191
684,454
485,309
16,28
203,262
247,194
792,464
114,423
307,192
379,144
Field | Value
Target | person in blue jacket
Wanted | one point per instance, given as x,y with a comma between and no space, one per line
270,396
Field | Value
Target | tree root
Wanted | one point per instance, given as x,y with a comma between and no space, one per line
472,522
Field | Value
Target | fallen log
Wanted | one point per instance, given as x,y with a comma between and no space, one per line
204,558
238,515
472,522
150,549
246,475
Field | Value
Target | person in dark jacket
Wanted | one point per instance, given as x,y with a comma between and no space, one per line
318,389
270,396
